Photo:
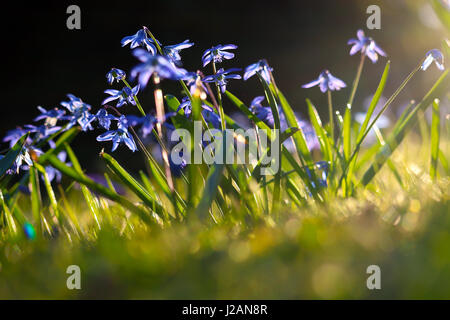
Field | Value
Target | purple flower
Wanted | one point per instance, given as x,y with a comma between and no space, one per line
173,51
50,114
321,167
147,123
263,113
24,159
218,53
53,173
126,95
211,117
193,81
157,64
115,74
326,81
79,113
119,136
436,56
309,133
104,118
177,169
185,105
366,45
207,112
261,67
14,135
221,77
42,131
139,39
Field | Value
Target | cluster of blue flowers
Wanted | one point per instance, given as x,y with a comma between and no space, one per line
164,62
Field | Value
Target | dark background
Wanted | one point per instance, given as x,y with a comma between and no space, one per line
42,60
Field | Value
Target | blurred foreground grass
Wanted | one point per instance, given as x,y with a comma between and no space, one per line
320,251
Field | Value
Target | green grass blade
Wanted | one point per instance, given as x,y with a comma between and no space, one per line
135,186
397,136
374,102
7,161
36,198
347,145
435,137
12,228
50,192
299,137
320,132
100,189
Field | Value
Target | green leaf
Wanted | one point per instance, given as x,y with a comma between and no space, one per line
88,196
60,144
12,228
374,102
283,137
7,161
435,137
299,137
244,109
135,186
397,136
276,195
442,13
36,198
320,132
100,189
50,192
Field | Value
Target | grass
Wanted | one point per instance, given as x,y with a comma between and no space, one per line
319,251
226,231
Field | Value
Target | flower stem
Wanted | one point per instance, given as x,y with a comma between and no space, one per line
219,99
138,104
159,102
356,81
331,115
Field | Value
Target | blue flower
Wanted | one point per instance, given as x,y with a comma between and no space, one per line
221,78
177,169
42,131
79,113
14,135
261,67
194,82
185,105
53,173
263,113
218,53
120,135
55,113
115,74
126,95
436,56
312,142
321,167
211,117
74,104
24,159
104,118
207,112
147,123
139,39
326,81
173,51
157,64
366,45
